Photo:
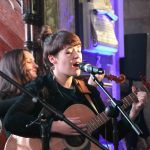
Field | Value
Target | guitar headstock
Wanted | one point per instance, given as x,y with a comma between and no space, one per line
121,79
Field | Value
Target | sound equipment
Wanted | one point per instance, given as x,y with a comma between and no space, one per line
134,62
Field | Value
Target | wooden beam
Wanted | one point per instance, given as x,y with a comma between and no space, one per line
10,37
4,46
11,16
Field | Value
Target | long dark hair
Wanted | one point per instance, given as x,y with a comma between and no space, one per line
12,65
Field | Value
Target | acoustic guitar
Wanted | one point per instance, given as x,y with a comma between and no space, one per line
61,142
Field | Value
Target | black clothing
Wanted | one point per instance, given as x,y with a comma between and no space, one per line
7,99
25,110
5,103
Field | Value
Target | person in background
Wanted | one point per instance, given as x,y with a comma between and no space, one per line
132,140
62,52
20,66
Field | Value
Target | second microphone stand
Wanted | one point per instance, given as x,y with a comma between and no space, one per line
116,108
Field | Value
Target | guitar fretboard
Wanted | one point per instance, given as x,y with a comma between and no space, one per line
102,118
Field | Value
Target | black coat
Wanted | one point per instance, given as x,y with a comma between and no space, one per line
25,110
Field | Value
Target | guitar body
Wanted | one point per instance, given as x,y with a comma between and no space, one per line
15,142
85,115
59,142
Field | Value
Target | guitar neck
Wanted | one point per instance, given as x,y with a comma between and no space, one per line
128,100
102,118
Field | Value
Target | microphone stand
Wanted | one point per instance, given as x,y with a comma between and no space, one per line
116,108
53,110
113,113
45,136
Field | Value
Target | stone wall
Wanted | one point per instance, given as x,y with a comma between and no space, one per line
137,20
60,15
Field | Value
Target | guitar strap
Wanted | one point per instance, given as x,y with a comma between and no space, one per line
83,88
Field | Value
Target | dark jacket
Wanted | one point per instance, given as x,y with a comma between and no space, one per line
25,110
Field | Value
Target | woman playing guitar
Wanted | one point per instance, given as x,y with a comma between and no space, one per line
62,52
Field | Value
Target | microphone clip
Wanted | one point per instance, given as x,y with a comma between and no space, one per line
41,117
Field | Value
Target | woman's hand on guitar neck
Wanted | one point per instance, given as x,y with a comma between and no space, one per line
63,128
139,105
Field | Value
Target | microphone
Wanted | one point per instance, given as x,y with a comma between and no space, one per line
90,69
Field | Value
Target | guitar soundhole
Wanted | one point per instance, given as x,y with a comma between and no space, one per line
75,141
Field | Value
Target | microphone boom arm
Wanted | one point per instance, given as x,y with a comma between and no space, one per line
114,104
